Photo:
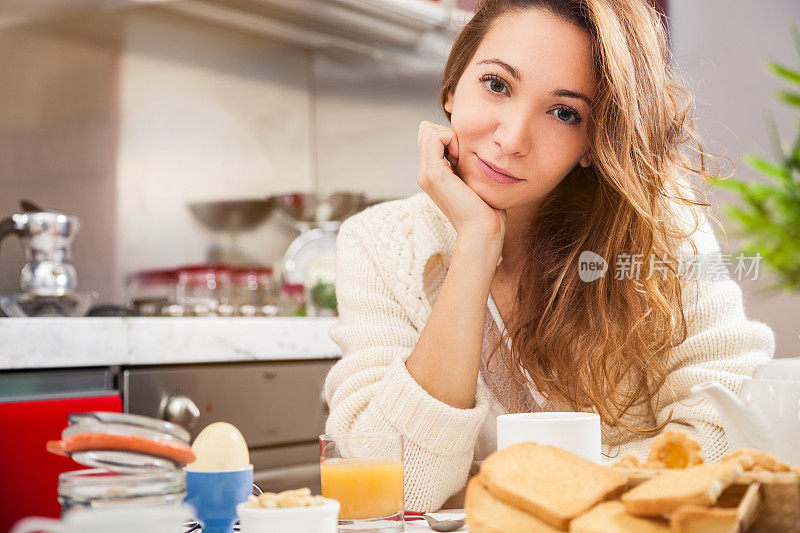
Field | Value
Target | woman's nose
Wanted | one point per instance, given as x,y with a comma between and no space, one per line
513,133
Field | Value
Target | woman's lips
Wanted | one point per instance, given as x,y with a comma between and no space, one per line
495,175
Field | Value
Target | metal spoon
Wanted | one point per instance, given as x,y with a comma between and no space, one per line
444,525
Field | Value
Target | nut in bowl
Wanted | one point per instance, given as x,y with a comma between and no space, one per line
292,510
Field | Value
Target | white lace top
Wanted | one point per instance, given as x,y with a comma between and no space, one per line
510,398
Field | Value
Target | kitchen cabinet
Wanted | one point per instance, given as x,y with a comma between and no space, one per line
33,409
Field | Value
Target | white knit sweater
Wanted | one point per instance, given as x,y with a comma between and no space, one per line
392,259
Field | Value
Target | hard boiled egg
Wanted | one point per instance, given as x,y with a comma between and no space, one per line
218,448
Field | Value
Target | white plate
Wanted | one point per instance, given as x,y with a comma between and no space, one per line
309,245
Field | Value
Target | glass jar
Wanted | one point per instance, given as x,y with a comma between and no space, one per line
292,301
149,291
122,477
96,488
205,289
253,288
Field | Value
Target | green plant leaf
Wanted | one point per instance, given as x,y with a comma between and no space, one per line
790,98
765,167
748,218
323,293
787,74
795,154
774,136
731,184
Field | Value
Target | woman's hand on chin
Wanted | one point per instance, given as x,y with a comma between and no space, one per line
437,148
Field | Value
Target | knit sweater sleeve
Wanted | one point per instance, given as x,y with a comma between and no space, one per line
721,345
370,388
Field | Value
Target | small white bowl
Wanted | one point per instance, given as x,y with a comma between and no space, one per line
312,519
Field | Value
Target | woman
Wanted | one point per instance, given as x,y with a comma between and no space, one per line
467,301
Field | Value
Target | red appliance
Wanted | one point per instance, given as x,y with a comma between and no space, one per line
28,472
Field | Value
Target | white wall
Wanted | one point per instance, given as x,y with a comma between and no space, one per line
58,139
205,114
368,114
721,47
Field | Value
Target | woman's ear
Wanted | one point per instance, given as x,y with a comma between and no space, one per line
448,104
585,161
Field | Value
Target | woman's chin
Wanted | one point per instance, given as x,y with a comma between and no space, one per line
492,193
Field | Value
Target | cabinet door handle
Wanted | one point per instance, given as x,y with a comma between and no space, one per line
180,410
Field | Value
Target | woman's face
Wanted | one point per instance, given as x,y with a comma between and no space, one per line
521,107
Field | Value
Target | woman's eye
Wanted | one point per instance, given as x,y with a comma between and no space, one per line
564,114
495,84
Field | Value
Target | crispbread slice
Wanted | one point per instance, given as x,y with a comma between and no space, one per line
611,517
487,514
552,484
697,519
756,460
697,485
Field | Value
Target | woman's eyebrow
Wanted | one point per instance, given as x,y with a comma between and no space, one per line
511,70
515,73
566,93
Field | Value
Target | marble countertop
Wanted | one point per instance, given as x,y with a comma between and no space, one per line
79,342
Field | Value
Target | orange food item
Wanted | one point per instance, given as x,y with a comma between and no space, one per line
675,449
179,453
364,488
56,447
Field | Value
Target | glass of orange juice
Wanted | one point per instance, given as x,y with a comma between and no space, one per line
364,472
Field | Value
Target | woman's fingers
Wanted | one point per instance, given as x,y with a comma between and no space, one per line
451,151
433,141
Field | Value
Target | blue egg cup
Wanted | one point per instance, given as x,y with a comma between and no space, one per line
215,495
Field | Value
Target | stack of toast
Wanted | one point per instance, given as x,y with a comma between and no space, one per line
535,488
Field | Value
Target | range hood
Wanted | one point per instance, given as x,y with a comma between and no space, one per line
363,26
374,27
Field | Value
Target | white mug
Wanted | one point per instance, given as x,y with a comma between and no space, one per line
156,519
578,433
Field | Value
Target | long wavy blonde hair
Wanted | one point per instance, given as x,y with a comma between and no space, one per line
604,344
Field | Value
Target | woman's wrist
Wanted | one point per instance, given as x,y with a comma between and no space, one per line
478,250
